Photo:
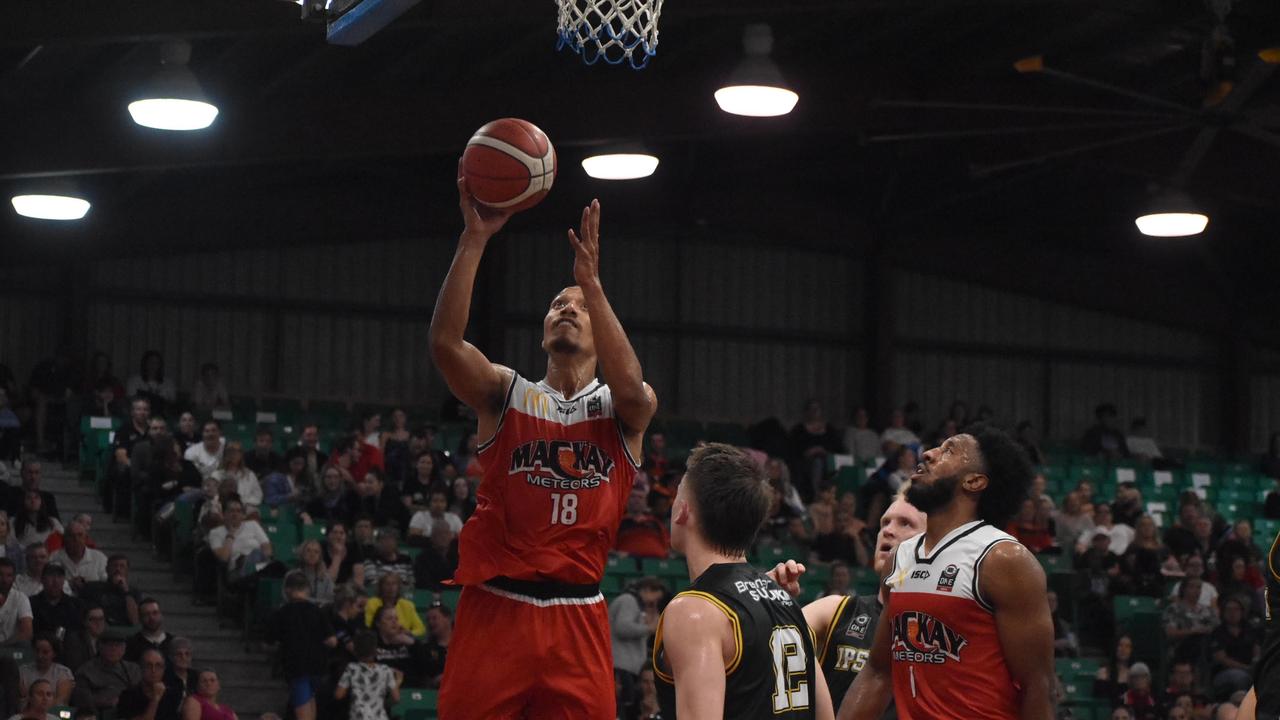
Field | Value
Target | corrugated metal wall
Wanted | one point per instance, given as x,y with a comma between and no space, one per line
28,333
1264,393
1015,344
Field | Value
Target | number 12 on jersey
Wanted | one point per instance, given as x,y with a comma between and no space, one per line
789,661
564,509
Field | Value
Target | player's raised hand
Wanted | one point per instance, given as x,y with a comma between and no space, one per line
481,221
787,575
586,246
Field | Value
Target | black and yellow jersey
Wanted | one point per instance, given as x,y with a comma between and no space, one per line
843,651
771,675
1266,675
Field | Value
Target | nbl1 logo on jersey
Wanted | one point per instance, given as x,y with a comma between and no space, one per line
921,638
561,464
947,582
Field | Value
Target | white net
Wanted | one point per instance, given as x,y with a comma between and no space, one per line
615,31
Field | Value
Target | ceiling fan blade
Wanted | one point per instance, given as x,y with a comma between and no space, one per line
1258,134
988,170
1030,109
1117,90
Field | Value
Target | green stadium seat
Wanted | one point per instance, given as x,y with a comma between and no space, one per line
423,599
611,584
416,704
1092,471
767,557
617,565
449,598
412,551
664,568
314,531
1265,531
730,433
818,572
1139,617
1054,563
1078,670
865,581
849,479
284,540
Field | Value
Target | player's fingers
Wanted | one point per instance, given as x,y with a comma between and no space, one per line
573,240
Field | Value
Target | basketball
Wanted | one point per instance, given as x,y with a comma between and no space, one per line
509,164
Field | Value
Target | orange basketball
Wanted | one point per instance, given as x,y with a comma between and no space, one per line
509,164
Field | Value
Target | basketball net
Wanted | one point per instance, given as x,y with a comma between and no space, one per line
616,31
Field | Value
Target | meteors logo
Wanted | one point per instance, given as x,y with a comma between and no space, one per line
562,464
921,638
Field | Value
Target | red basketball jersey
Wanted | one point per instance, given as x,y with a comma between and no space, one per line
947,659
557,474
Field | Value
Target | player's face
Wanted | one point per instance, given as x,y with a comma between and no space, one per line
567,326
901,521
940,472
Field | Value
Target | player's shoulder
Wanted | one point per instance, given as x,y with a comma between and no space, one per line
694,612
1009,569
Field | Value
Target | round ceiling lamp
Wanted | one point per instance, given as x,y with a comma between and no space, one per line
756,87
50,207
172,98
1172,214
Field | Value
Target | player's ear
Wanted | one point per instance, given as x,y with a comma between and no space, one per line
976,482
680,513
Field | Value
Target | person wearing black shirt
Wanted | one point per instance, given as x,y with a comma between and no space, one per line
1103,438
133,432
262,459
811,441
382,502
32,471
1180,538
151,699
152,636
302,629
54,612
438,562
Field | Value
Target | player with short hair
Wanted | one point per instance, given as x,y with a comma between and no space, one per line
967,633
559,457
1263,700
735,644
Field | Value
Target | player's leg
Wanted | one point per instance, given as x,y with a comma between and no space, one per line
492,659
576,676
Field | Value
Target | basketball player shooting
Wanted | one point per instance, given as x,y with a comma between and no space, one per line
559,457
967,631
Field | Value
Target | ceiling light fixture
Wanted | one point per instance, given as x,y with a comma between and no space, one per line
756,88
172,99
1172,214
50,207
627,162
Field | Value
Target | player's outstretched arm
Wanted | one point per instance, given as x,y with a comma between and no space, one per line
819,614
694,635
873,688
1013,583
469,374
823,709
633,400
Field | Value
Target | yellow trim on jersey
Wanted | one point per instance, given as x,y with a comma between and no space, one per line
732,666
657,646
1271,558
831,629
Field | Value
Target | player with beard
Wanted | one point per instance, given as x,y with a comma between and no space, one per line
967,633
559,459
845,625
1263,700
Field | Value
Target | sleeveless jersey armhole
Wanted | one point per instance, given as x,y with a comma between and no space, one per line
731,666
977,574
831,629
502,414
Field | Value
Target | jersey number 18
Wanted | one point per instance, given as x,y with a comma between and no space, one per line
564,509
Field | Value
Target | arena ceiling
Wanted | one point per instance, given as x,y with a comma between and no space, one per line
317,143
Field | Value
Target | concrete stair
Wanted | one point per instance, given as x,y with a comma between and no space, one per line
247,684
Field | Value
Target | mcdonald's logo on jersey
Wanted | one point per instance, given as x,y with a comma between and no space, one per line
562,464
921,638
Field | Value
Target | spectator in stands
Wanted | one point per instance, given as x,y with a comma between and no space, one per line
1025,435
188,433
1113,678
633,618
207,456
232,469
1120,535
109,674
879,489
336,501
463,501
9,545
1070,522
32,473
369,438
150,383
1139,444
1187,623
49,388
81,644
310,444
1032,527
60,678
464,458
898,433
364,541
346,617
151,698
1180,538
1239,543
822,512
54,612
311,564
437,511
841,580
82,563
31,581
345,457
641,534
209,392
1098,568
180,674
1182,707
368,681
239,544
437,562
847,542
395,645
1128,506
35,524
117,597
1233,650
39,701
203,703
435,649
15,608
389,595
152,635
302,631
289,487
147,470
388,559
1103,438
263,458
10,436
339,559
1139,698
1141,563
811,441
425,479
1065,643
1206,542
782,525
1233,583
860,439
1182,683
380,500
